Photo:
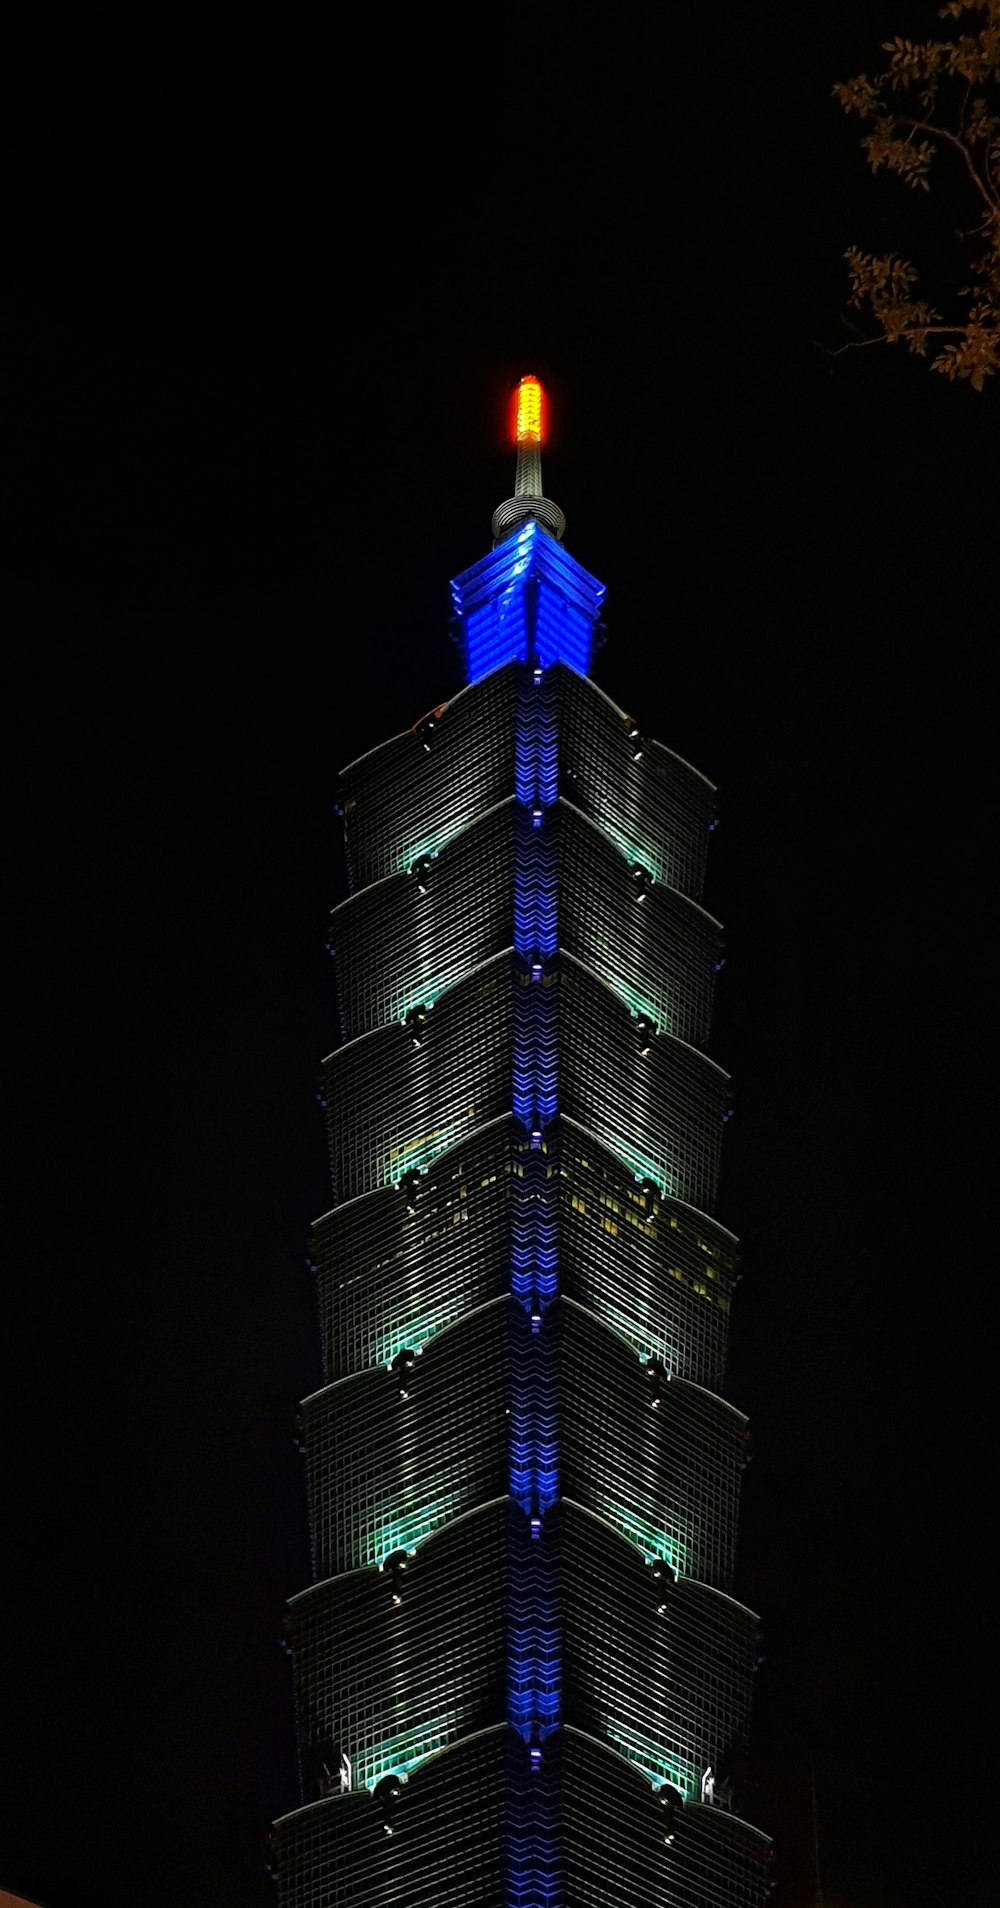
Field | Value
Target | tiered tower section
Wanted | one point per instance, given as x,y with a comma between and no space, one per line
522,1681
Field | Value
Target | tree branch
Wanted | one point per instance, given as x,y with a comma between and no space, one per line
953,78
908,331
941,132
962,110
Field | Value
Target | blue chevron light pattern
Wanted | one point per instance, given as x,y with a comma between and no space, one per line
528,601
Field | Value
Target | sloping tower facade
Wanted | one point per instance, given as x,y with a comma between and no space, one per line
521,1678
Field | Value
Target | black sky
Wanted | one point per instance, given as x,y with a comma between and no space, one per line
252,426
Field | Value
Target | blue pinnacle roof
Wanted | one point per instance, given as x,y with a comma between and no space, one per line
528,601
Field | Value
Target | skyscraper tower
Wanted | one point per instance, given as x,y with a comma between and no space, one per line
521,1678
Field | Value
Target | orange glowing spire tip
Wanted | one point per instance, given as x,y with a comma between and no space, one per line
529,430
530,412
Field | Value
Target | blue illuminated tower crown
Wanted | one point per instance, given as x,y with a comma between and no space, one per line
522,1680
529,600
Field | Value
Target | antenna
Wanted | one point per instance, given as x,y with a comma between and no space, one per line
529,416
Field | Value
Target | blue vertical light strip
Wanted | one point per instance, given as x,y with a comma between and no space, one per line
528,601
534,1656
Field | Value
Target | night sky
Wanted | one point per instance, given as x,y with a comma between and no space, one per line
251,428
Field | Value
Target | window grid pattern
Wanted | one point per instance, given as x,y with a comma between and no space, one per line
471,1829
657,809
391,1456
689,1710
657,949
449,1828
396,1100
408,797
661,1273
492,1468
400,1264
394,1664
660,1110
660,1462
401,942
624,1843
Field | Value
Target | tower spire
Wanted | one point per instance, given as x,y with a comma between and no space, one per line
529,417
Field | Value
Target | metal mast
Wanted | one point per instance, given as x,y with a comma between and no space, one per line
529,409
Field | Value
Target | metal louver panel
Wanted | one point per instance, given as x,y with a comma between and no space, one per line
656,949
393,1454
399,1264
398,1097
690,1709
474,1827
660,1272
402,941
401,1661
658,1103
436,1841
652,804
625,1842
660,1461
406,798
395,1099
